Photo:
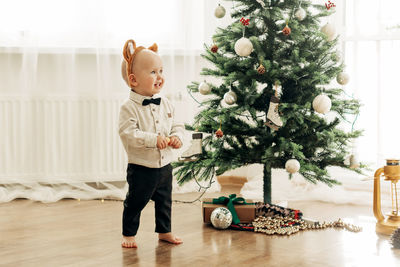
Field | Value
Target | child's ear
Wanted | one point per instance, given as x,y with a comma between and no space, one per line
132,80
153,48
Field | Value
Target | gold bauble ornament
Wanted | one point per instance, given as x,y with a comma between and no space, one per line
343,78
220,11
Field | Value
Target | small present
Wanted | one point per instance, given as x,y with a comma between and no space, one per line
243,211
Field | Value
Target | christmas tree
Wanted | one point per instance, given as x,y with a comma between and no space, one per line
276,64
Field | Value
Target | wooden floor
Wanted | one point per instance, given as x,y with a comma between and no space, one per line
88,233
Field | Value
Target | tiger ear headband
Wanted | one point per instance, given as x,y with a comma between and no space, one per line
130,51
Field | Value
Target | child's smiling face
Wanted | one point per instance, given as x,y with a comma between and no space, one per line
147,73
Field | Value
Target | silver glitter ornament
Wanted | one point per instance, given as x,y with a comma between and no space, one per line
221,218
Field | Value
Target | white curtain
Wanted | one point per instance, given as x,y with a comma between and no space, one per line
372,49
61,88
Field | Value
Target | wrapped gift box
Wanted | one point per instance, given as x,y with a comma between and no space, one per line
245,212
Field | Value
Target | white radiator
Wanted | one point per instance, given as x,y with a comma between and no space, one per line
60,140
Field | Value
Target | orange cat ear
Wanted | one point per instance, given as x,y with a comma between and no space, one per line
129,49
154,47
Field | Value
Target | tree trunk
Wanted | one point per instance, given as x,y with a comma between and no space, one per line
267,182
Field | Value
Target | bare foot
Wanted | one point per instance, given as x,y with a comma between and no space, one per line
170,238
128,242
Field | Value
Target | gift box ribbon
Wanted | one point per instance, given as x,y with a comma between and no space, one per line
230,203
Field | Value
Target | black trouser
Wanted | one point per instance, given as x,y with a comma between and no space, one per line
145,184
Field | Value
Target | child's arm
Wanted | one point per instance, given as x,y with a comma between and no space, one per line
130,133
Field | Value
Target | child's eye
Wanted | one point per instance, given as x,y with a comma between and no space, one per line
160,71
153,72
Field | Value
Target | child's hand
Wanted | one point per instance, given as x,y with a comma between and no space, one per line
175,142
162,142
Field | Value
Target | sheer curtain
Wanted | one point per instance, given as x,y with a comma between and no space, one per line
372,46
61,88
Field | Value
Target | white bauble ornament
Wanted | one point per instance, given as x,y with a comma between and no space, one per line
343,78
243,47
221,218
230,97
204,88
219,11
329,30
300,14
322,104
292,165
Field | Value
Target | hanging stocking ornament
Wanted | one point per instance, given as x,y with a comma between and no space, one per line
195,149
220,11
273,119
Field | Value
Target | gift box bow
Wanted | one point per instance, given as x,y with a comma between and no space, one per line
230,203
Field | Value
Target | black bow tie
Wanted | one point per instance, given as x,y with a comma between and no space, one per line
155,101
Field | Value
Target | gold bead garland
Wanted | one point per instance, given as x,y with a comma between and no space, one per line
288,225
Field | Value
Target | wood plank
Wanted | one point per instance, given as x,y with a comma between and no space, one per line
88,233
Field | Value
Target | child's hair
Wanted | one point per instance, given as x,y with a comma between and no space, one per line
129,53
